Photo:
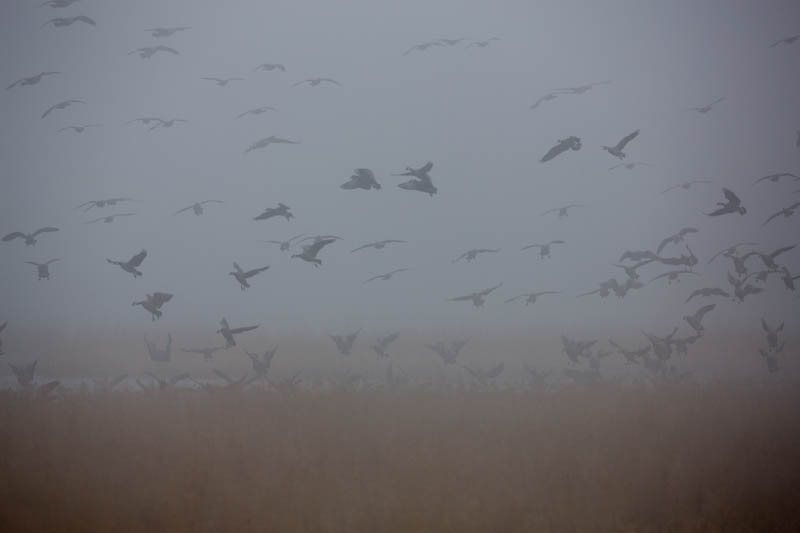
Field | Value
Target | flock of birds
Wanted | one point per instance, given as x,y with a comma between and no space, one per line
751,265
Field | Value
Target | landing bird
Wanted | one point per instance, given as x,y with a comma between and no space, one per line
422,181
676,238
362,179
685,185
531,297
382,343
103,203
80,129
154,302
32,80
731,249
263,143
344,343
282,210
285,245
545,98
61,105
772,334
742,289
616,150
270,67
775,178
423,47
108,219
207,353
581,89
563,212
733,205
544,249
785,40
158,355
484,43
387,276
166,32
222,82
448,352
631,355
2,327
43,269
631,166
378,245
60,22
313,82
256,111
706,108
59,3
228,332
786,212
310,251
470,255
477,298
131,264
242,276
30,238
25,373
562,145
674,275
146,52
198,207
695,320
706,292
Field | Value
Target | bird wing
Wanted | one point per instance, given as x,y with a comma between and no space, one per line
47,229
87,20
489,290
315,247
362,247
664,243
515,298
167,49
703,310
223,376
731,196
721,211
184,209
772,217
160,298
12,236
558,149
236,331
625,140
779,251
251,273
137,259
52,261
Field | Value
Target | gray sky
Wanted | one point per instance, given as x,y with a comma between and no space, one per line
464,108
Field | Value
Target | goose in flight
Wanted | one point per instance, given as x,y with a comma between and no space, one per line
686,185
786,40
256,111
363,178
207,353
198,207
32,80
706,108
344,343
59,3
282,210
285,245
80,129
733,205
268,67
30,238
146,52
422,181
545,98
266,141
531,297
673,275
662,346
131,264
165,123
43,269
382,343
222,82
682,344
484,43
631,166
228,333
786,212
631,355
483,376
470,255
706,292
563,212
581,89
60,22
387,276
544,249
2,327
158,355
731,250
477,298
631,270
695,321
617,150
61,105
313,82
24,373
424,46
242,276
166,32
772,334
103,203
675,239
378,245
110,218
576,349
562,145
742,289
154,302
262,362
448,352
310,251
775,178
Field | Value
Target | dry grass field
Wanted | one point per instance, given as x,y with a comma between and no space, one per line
680,458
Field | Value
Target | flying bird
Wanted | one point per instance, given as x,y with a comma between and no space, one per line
282,210
61,105
344,343
769,259
102,203
80,129
581,89
685,185
470,255
165,123
166,32
228,333
631,166
786,212
616,150
785,40
447,352
378,245
477,298
741,289
706,292
676,238
256,111
674,275
733,205
382,343
60,22
154,302
272,139
482,376
262,362
387,276
146,52
310,251
631,355
222,82
788,279
562,211
198,207
422,181
285,245
43,269
30,239
484,43
242,276
631,270
159,355
545,98
531,297
706,108
562,145
267,67
772,334
110,218
363,178
695,320
131,264
424,46
775,178
313,82
544,249
453,42
32,80
25,373
731,249
638,255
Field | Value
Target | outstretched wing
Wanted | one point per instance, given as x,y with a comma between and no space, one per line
251,273
12,236
731,196
44,230
137,259
184,209
779,251
489,290
703,310
625,140
236,331
558,149
160,298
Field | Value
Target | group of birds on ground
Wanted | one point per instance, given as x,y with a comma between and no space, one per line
584,357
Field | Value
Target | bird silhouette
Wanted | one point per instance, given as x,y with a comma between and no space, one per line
146,52
733,205
282,210
24,373
228,333
544,249
387,276
786,40
531,297
166,32
242,276
30,238
268,67
61,105
222,82
582,89
562,145
362,179
676,238
43,269
696,320
344,343
545,98
706,108
313,82
617,150
60,22
108,219
80,129
310,251
447,352
382,343
470,255
631,166
686,185
154,302
159,355
285,245
109,202
785,212
477,298
674,275
198,207
266,141
563,212
31,80
207,353
775,178
256,111
706,292
772,334
484,43
424,46
131,264
378,245
422,181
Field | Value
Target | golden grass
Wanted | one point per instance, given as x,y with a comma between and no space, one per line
681,458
